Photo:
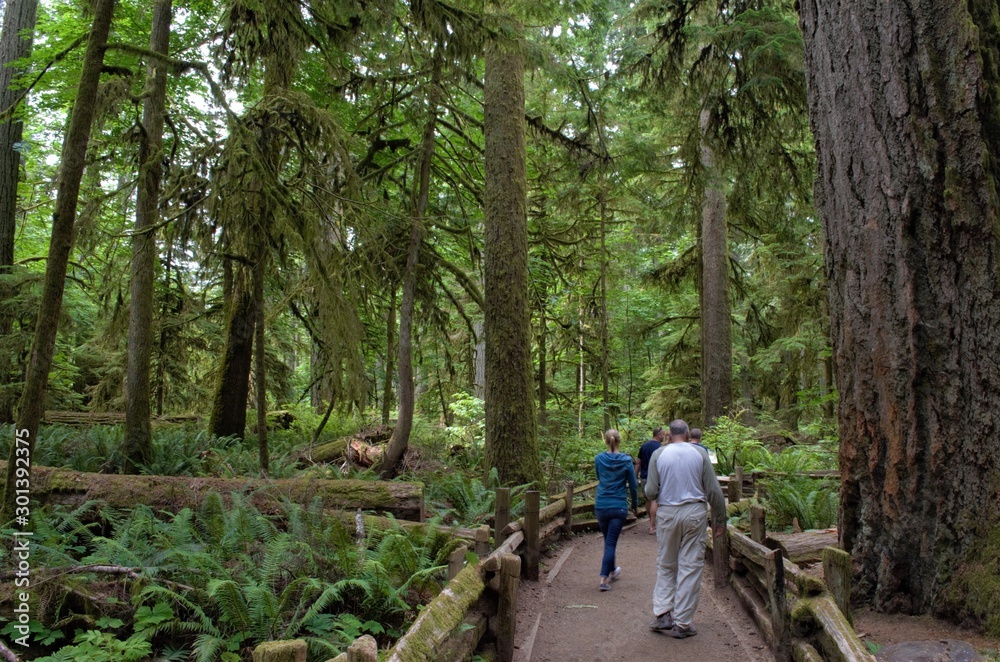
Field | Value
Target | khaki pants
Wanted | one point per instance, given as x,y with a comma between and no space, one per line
680,534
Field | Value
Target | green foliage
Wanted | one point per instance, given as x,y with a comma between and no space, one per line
736,444
222,578
464,500
812,502
101,646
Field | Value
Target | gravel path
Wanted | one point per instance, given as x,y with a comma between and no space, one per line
564,618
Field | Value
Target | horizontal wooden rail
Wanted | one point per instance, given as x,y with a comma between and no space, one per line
811,627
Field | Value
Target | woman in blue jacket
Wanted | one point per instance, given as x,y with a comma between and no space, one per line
615,473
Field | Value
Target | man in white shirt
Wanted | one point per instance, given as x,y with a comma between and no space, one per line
681,481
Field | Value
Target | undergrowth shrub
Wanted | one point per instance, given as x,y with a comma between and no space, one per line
210,584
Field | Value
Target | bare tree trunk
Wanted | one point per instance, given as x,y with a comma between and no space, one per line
404,422
543,385
137,448
908,142
604,308
390,341
260,366
716,323
581,374
74,154
511,427
479,379
18,27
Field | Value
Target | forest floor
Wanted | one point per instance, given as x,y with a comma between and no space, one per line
563,617
888,629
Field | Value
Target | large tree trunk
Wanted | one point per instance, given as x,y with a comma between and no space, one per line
74,158
716,323
137,448
18,27
903,104
511,428
407,396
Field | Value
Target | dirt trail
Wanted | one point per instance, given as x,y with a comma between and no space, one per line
568,620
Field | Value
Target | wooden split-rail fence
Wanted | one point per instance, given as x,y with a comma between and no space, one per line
800,616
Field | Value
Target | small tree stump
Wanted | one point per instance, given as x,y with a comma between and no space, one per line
281,651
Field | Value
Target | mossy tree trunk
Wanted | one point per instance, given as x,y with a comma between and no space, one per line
137,448
18,26
229,408
907,131
73,160
716,323
511,428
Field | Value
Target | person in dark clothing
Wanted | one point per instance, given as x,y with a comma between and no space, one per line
645,452
696,439
616,482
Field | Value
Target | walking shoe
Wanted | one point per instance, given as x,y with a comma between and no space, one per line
604,587
662,622
616,573
681,632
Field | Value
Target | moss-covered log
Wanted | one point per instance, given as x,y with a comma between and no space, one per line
836,637
423,641
51,485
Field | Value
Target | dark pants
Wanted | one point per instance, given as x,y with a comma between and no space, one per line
611,521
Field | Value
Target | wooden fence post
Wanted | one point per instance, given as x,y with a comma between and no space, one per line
837,572
531,552
720,557
774,566
456,561
502,516
738,470
568,526
758,524
733,490
483,540
510,578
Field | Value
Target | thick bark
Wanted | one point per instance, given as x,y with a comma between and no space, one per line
229,408
716,323
74,153
74,488
511,428
137,448
18,27
407,396
903,107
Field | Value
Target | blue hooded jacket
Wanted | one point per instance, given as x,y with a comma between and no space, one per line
615,471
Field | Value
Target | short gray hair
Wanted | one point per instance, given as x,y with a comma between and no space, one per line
678,428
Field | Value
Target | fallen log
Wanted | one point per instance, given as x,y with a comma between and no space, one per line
49,485
429,633
333,451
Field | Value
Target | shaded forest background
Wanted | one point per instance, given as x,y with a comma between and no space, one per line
503,228
293,145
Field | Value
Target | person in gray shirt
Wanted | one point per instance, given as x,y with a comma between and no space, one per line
681,481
